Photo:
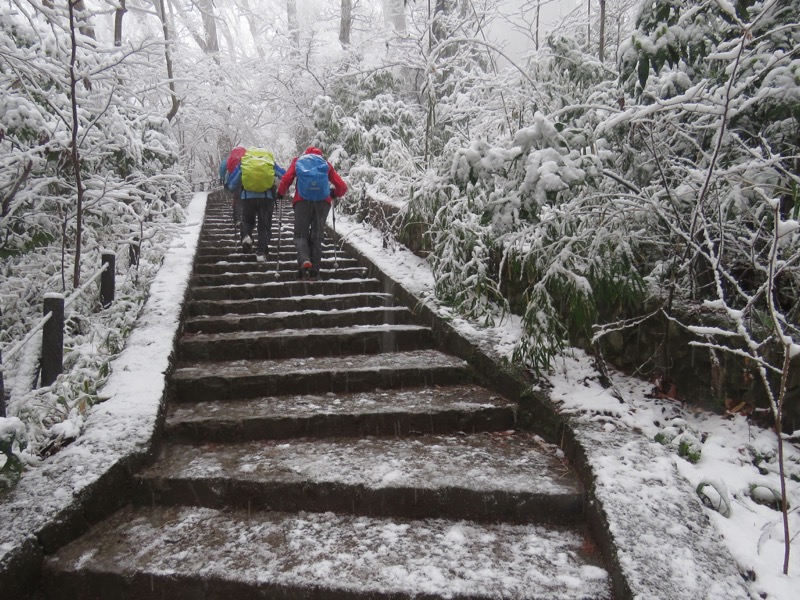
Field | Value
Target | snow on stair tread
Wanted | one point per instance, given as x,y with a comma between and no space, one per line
511,463
281,284
286,262
391,361
261,275
418,401
278,315
306,296
301,333
266,305
325,551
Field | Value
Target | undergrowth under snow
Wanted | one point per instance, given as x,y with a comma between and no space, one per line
42,419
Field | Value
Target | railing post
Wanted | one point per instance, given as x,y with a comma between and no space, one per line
53,339
107,279
133,252
2,384
2,389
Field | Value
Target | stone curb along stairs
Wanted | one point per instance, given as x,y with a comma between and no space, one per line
318,443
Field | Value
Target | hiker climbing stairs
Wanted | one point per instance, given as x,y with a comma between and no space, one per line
319,444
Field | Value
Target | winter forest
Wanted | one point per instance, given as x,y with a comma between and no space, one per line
635,162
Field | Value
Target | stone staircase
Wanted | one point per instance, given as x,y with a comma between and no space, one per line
318,444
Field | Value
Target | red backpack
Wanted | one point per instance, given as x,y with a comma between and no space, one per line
235,158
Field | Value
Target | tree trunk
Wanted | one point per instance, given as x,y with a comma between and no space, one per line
168,59
395,14
210,26
438,31
251,23
5,208
291,17
118,14
602,42
346,22
588,24
76,159
85,28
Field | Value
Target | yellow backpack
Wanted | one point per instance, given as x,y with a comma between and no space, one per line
258,170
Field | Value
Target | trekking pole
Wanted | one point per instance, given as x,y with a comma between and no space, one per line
280,232
335,259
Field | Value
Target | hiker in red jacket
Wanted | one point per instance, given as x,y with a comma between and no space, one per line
318,184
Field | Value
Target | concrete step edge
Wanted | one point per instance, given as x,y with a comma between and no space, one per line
192,552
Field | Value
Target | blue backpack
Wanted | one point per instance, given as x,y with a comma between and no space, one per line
312,177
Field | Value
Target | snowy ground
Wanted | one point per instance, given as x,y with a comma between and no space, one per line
667,547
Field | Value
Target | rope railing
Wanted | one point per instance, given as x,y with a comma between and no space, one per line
36,329
81,289
52,325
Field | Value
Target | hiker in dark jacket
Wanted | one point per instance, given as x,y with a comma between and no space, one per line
255,206
318,184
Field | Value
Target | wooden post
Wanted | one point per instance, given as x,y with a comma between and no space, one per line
133,252
2,384
53,339
107,279
2,389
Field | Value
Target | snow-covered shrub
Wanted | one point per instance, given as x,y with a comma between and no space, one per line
765,495
682,439
542,235
374,140
714,494
12,440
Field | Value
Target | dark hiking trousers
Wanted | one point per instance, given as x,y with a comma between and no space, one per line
236,203
309,231
257,209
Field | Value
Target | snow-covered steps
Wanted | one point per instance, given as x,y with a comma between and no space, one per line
265,273
253,378
317,342
190,552
318,444
289,263
207,254
390,412
498,476
300,319
228,243
282,288
313,300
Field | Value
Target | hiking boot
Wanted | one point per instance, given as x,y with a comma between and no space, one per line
304,272
260,257
247,243
313,274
